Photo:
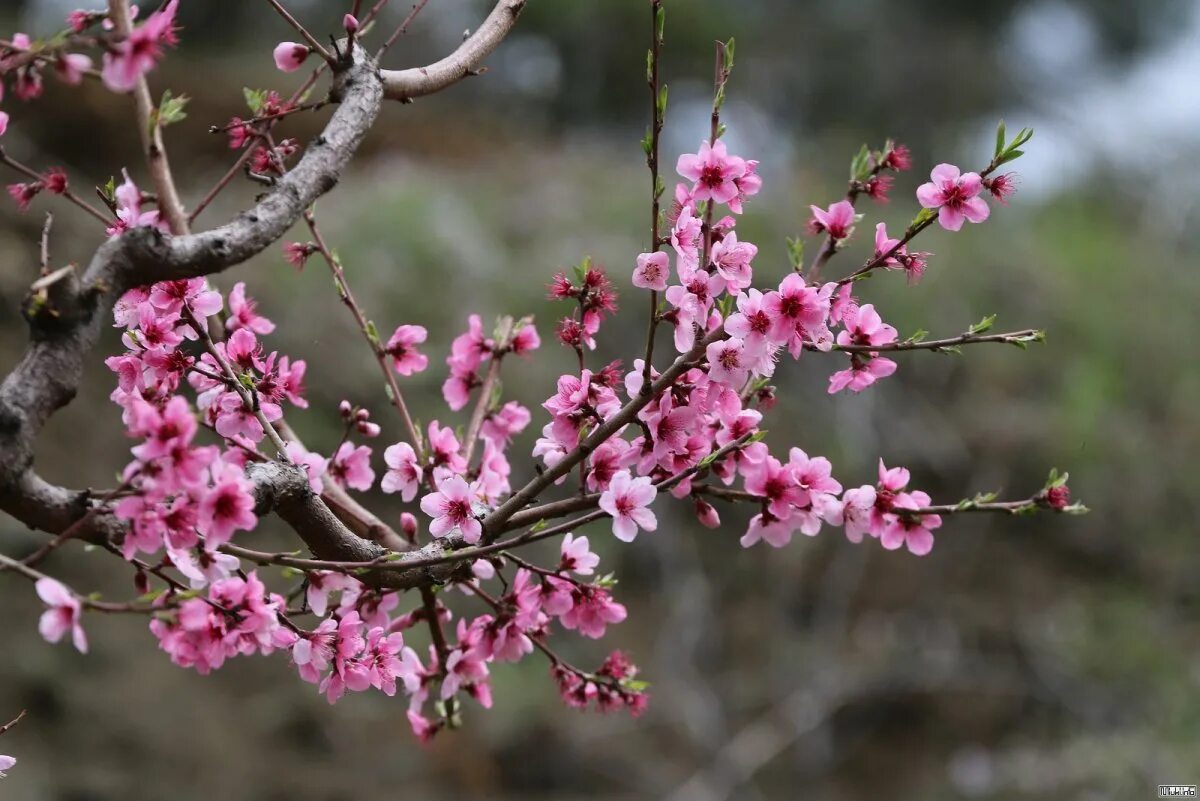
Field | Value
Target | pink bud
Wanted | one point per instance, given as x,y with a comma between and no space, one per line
408,526
290,55
362,415
707,515
368,429
350,23
344,408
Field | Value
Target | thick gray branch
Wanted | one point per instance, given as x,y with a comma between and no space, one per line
466,60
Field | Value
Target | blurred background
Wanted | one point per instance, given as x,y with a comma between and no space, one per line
1042,658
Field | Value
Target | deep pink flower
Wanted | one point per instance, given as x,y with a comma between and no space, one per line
626,500
837,220
712,171
244,312
652,271
1001,186
289,56
64,614
593,612
451,507
227,507
406,359
351,467
954,195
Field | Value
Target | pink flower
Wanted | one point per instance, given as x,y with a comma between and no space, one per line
626,500
402,348
290,55
244,312
593,612
3,122
312,463
137,54
351,467
1001,186
652,271
732,260
508,420
451,508
404,471
837,221
296,253
71,66
227,507
857,505
6,763
713,172
748,184
954,195
911,530
865,327
64,614
728,362
577,557
861,374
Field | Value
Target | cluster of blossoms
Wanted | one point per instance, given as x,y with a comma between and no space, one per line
635,434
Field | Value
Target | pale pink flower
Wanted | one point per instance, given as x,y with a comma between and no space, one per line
865,327
577,557
313,464
955,195
451,507
913,531
71,67
130,59
857,505
404,471
652,271
728,362
6,764
732,260
64,614
861,374
626,500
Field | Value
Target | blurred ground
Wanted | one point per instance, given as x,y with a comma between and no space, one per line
1045,658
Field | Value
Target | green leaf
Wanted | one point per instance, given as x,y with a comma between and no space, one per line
729,54
923,217
660,21
254,98
647,143
860,165
999,138
373,333
661,105
795,246
170,110
539,525
649,66
983,325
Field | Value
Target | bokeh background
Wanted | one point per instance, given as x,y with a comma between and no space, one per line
1043,658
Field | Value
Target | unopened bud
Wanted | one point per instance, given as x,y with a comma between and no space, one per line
350,23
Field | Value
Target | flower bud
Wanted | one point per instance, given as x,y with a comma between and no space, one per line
706,514
350,23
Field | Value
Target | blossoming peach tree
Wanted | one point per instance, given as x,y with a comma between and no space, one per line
203,396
